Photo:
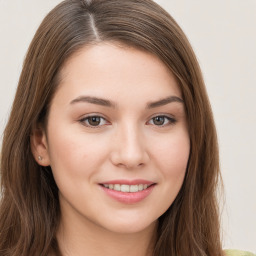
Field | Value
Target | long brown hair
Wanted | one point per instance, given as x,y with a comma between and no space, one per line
29,210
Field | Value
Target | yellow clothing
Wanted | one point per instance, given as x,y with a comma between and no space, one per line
238,253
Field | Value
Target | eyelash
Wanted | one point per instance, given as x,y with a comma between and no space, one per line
84,121
168,119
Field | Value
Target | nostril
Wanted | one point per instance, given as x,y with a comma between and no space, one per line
129,154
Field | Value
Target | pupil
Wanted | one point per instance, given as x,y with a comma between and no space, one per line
159,120
94,120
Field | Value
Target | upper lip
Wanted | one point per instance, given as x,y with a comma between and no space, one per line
129,182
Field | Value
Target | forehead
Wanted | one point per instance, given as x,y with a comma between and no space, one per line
116,71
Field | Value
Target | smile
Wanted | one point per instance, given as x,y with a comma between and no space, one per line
126,187
128,192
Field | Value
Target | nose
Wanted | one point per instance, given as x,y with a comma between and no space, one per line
129,148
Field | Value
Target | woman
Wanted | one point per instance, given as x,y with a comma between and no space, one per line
110,146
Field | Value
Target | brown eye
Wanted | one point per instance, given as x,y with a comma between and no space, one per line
162,120
93,121
159,120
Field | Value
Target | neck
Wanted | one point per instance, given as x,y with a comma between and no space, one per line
81,238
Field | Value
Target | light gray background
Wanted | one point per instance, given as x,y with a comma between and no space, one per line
223,34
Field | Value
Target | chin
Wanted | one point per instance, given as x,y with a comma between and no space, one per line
131,225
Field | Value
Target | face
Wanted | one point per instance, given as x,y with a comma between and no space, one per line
117,139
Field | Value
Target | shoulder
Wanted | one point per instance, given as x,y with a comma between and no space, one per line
238,253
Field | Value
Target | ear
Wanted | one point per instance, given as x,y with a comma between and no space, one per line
39,146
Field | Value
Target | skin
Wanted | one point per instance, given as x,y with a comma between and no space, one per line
128,142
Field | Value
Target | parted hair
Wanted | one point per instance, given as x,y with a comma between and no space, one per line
29,209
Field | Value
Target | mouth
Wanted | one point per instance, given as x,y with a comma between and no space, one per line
128,192
127,188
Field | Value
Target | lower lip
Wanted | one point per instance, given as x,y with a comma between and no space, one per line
126,197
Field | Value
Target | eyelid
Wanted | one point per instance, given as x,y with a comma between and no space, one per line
170,118
84,118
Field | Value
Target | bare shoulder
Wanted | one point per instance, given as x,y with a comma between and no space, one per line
238,253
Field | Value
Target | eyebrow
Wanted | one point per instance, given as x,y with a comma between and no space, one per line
164,101
108,103
94,100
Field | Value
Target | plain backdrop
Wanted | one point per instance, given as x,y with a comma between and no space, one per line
223,35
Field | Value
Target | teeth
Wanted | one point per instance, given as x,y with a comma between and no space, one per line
126,188
134,188
140,187
117,187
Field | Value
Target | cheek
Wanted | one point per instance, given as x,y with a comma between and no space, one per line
171,157
173,153
75,153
